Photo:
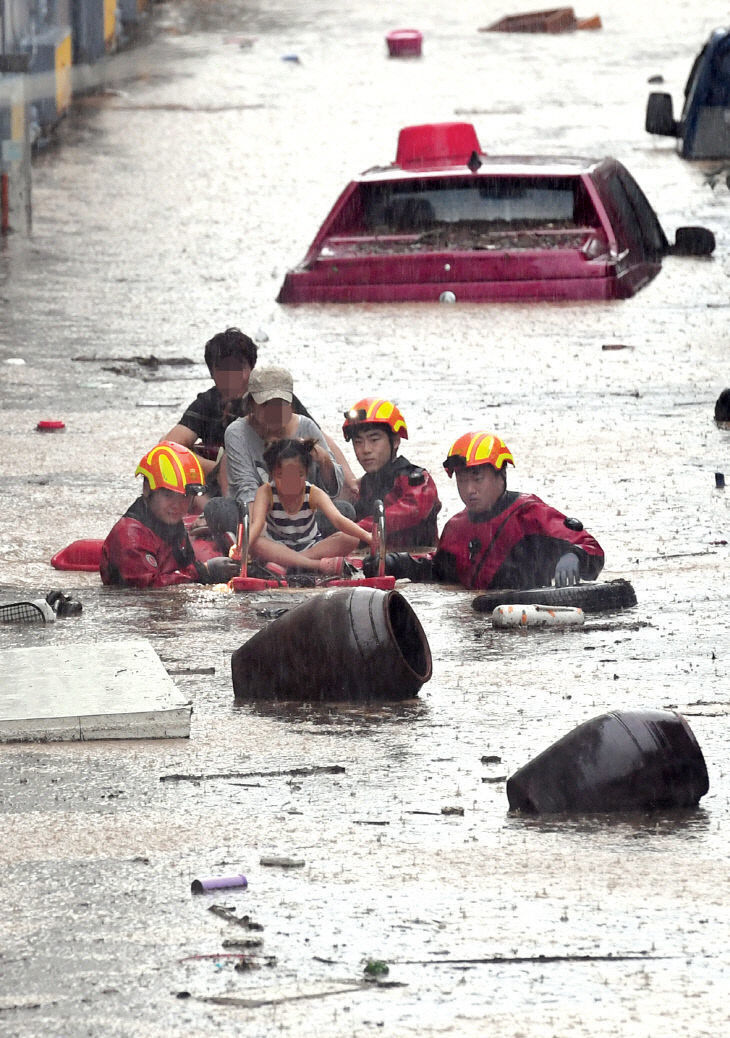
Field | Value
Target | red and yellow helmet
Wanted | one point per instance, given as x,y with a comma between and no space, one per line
374,411
170,466
478,448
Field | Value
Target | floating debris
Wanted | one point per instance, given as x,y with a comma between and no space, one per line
282,863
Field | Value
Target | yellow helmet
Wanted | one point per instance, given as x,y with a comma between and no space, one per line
374,411
478,448
170,466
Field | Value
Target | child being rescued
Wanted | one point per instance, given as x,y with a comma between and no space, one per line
149,546
502,539
283,522
410,499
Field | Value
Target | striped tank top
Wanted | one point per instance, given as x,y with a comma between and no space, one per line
298,531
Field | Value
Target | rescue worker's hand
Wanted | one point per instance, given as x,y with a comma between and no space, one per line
220,570
567,570
397,564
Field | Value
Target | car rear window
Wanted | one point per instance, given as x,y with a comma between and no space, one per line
502,201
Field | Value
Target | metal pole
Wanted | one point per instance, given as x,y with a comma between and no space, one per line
4,203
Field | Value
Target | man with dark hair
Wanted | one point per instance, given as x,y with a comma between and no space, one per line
230,356
375,426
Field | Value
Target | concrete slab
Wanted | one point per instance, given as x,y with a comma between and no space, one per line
102,690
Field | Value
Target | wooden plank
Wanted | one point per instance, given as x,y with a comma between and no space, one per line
100,690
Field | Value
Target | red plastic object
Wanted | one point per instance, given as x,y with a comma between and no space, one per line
252,584
404,43
53,426
438,144
382,583
79,555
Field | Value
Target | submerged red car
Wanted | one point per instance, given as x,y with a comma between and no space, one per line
446,218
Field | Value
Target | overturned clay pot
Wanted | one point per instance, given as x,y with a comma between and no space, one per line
350,643
627,760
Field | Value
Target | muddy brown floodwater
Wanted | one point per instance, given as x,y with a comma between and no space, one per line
180,197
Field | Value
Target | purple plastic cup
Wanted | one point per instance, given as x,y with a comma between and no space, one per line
199,886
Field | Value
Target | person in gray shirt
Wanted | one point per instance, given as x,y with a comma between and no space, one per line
271,417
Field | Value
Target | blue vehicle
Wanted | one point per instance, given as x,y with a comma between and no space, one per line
703,131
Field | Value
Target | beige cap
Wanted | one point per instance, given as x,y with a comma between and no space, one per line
270,384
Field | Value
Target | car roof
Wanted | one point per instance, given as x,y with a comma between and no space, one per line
517,165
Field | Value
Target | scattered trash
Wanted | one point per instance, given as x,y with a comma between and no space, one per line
272,613
293,58
627,760
282,863
261,335
146,362
300,996
348,643
655,79
537,616
243,942
452,811
230,916
199,886
27,612
190,670
552,20
491,759
50,426
17,361
404,43
327,769
616,346
496,959
447,297
376,968
254,962
64,605
720,480
213,955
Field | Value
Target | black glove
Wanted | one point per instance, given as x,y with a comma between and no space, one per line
398,564
218,570
567,570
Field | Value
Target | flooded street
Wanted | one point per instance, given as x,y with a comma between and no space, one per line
180,197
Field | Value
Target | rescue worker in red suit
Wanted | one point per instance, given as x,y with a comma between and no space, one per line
149,546
502,539
376,426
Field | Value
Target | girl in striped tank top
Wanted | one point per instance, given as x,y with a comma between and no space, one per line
283,522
